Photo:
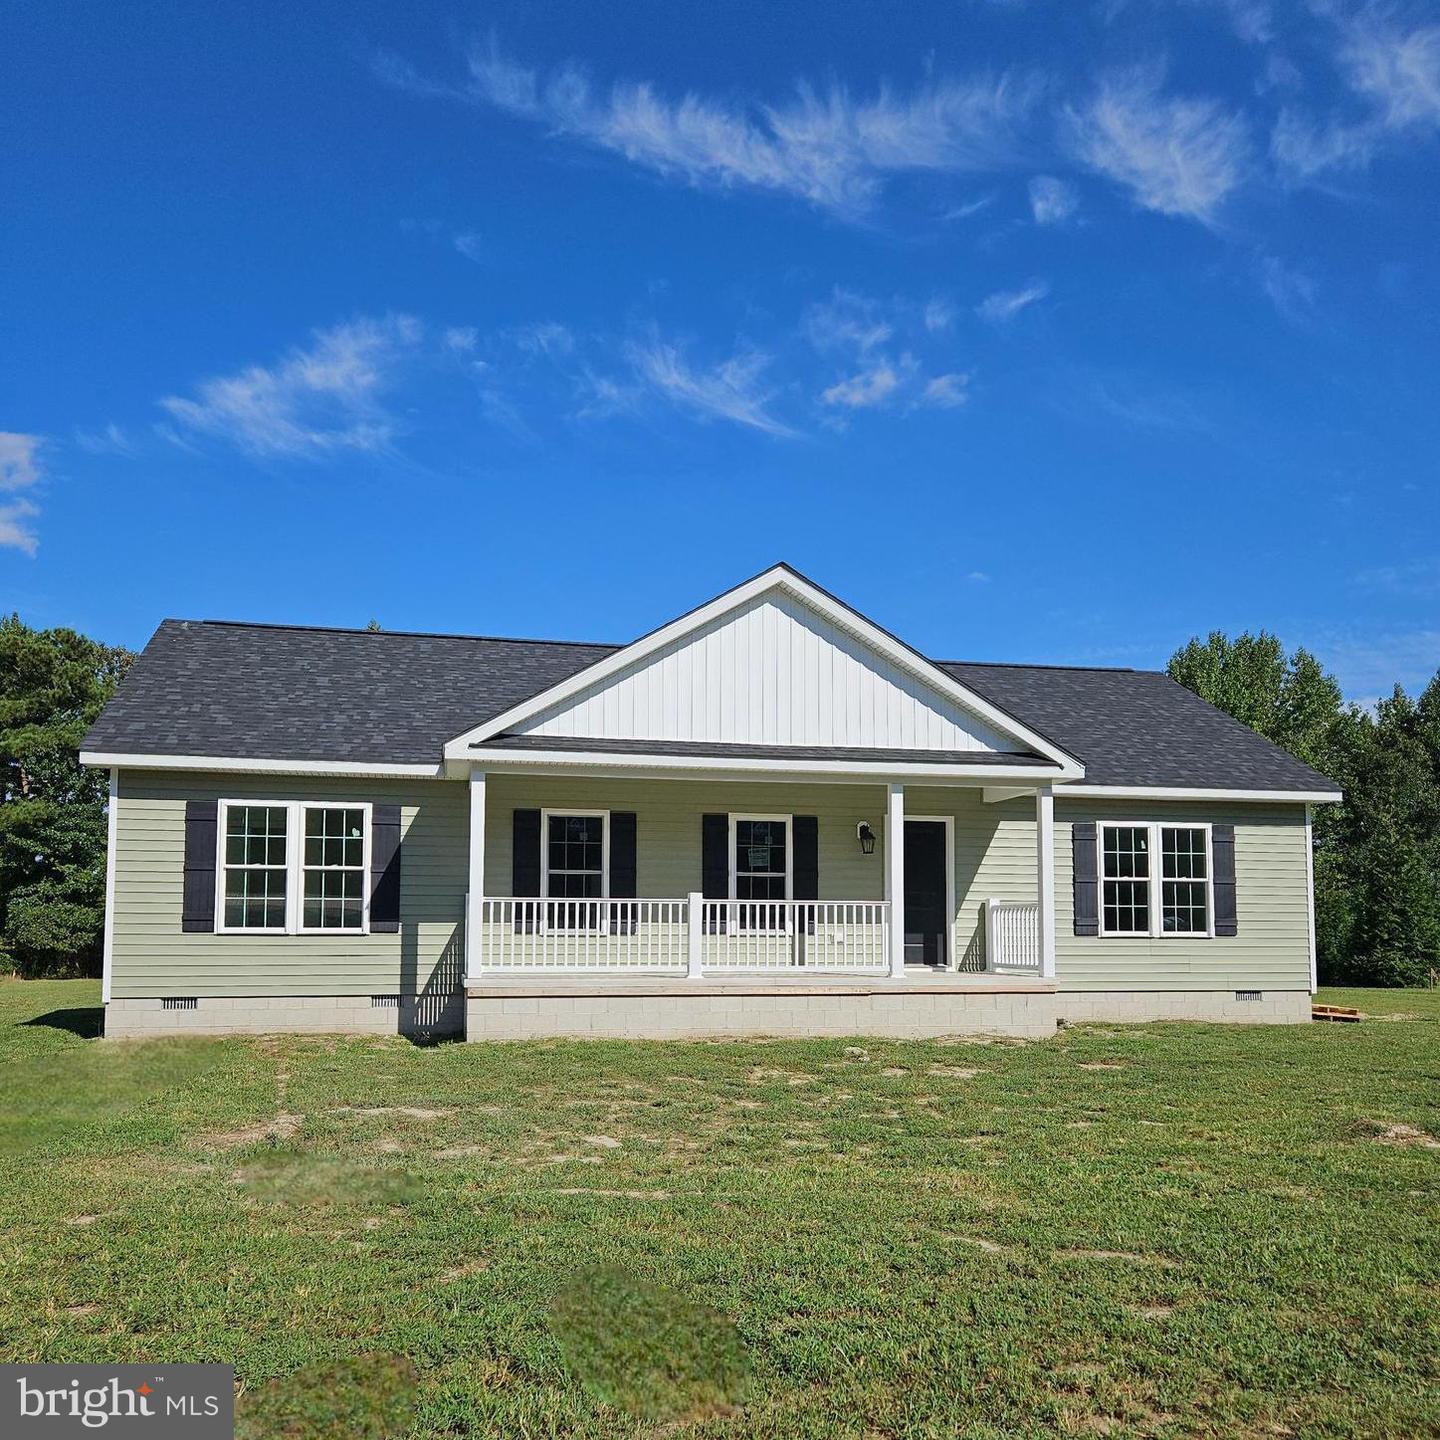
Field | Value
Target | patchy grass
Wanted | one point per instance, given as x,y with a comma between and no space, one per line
1168,1230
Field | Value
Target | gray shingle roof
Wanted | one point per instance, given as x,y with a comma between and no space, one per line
214,688
203,687
1138,727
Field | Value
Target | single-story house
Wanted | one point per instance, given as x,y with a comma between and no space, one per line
767,817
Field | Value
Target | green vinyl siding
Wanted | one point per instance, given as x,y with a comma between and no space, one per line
994,857
153,957
1272,948
667,826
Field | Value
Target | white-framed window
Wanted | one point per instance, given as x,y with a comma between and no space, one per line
254,892
760,857
761,870
292,867
334,867
575,867
1155,879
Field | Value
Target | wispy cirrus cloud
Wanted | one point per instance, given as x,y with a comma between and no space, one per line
469,244
1397,70
317,400
1005,305
732,389
858,334
20,470
1177,155
1052,201
873,387
1394,72
822,146
1290,291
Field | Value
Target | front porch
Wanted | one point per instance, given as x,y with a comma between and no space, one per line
812,908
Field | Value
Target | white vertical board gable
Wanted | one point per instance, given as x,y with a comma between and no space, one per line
771,672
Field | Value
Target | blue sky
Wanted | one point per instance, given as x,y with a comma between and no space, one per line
1052,332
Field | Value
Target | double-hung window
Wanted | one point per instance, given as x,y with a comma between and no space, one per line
1155,879
293,866
760,868
576,866
334,879
254,847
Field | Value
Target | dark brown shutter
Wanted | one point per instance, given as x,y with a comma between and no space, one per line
622,870
525,863
384,869
197,909
1222,856
1087,879
805,873
715,859
805,863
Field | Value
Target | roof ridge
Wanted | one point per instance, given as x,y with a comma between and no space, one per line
402,634
1037,665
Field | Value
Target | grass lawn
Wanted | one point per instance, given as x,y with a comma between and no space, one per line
1150,1230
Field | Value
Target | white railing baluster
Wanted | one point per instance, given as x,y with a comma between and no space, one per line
519,934
1012,937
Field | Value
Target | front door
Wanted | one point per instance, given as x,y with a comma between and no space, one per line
926,922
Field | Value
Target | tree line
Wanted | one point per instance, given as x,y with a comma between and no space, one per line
1377,855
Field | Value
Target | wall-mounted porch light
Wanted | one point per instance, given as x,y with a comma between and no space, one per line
866,836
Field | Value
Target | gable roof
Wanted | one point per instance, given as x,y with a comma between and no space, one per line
222,689
783,590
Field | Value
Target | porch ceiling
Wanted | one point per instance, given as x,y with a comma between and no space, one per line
722,750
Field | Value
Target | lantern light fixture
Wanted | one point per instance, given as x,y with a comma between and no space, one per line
866,836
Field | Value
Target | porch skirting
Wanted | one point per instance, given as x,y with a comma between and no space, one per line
518,1008
1268,1007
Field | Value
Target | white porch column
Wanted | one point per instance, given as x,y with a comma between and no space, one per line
1045,876
473,907
895,876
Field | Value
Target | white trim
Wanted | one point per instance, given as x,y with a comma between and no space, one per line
778,577
762,768
295,866
261,767
1045,878
475,895
895,874
1310,898
948,821
788,822
1155,880
112,812
1160,792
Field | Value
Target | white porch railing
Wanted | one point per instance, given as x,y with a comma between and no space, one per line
841,936
1012,937
690,936
646,936
703,937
